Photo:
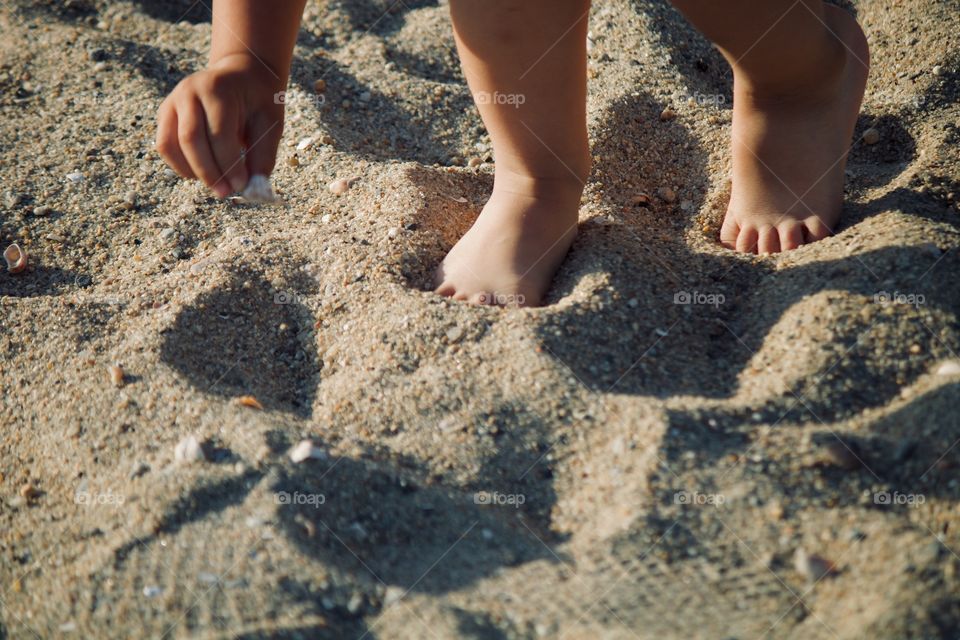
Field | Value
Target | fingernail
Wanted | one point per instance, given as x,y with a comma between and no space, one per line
221,189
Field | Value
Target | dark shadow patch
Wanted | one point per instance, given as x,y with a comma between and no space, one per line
472,625
651,339
402,133
159,66
174,11
332,630
67,11
381,17
451,203
37,280
231,342
395,528
706,73
875,165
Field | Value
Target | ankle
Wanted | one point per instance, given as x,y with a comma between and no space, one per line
551,187
816,79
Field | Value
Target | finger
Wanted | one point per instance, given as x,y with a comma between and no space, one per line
192,133
223,131
769,240
168,145
791,235
747,240
263,138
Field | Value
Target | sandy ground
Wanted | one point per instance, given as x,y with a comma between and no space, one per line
616,464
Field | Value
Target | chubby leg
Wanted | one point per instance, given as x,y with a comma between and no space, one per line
525,63
800,71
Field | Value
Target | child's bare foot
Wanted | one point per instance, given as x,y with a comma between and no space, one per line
510,254
790,148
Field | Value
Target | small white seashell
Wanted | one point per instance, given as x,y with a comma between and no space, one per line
116,375
259,190
76,176
188,451
949,368
16,258
304,144
339,187
306,450
392,232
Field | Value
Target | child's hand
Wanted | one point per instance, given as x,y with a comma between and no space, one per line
214,114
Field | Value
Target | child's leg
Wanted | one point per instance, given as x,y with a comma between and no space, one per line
525,63
800,70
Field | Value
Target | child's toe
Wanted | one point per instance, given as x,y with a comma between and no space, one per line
747,239
815,229
768,240
791,234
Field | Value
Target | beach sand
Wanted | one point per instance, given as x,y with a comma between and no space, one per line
683,443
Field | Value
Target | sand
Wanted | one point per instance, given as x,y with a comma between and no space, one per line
616,464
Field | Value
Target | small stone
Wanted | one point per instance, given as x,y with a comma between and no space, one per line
327,139
937,70
320,85
667,115
304,144
915,349
325,218
75,177
640,200
393,595
293,161
305,450
667,194
116,375
152,591
811,566
339,186
188,451
392,232
844,455
42,211
139,468
29,492
949,368
775,510
355,604
475,162
168,235
454,334
871,136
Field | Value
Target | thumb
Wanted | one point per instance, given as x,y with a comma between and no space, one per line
263,138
